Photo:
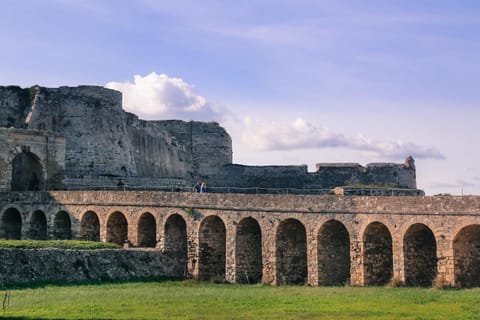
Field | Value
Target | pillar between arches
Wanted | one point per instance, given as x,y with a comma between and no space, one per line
269,260
445,263
312,259
230,254
398,277
356,263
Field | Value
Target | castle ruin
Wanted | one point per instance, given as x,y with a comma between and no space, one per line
57,140
104,144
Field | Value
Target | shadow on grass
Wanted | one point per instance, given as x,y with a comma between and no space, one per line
21,318
43,284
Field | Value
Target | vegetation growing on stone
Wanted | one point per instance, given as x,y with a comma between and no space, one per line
59,244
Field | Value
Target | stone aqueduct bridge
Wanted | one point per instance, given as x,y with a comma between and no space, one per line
275,239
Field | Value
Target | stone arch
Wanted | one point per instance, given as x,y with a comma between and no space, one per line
38,226
333,254
117,228
62,226
11,224
212,247
377,254
466,252
291,253
420,255
27,173
175,240
248,251
147,231
90,227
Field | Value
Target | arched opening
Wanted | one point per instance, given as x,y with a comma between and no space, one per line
117,228
291,254
27,173
38,226
466,251
248,251
420,256
11,225
62,226
212,247
175,240
90,227
377,256
147,231
333,254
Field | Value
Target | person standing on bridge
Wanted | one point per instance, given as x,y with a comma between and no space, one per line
197,188
203,188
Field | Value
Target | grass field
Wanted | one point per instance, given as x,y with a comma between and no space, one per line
193,300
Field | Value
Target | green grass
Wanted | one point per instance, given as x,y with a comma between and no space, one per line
192,300
59,244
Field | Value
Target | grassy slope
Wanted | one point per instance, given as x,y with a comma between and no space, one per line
189,300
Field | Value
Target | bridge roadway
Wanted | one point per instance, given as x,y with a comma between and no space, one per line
275,239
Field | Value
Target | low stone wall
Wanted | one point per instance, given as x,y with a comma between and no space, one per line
38,265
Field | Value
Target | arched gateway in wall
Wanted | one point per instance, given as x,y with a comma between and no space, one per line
420,256
27,173
175,240
147,231
117,228
62,226
11,225
466,251
248,251
90,227
378,255
333,254
212,246
291,253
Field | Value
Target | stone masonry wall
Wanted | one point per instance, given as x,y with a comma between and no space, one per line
448,218
27,266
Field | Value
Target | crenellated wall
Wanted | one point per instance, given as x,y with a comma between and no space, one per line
412,240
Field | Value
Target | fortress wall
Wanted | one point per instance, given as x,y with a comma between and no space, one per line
27,266
393,175
241,176
102,140
334,175
215,225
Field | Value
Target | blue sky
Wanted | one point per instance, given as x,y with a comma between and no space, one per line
294,82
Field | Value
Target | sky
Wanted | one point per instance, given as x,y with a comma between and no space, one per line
292,81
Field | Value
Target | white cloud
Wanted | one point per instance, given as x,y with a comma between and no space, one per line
302,134
158,97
